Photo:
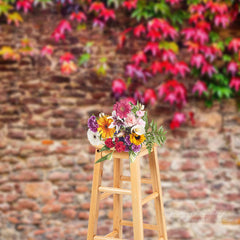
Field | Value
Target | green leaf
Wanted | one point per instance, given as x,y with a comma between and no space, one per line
228,40
106,157
221,45
132,156
226,58
213,36
104,148
84,58
169,45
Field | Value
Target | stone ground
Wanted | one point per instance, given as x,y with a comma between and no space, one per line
47,164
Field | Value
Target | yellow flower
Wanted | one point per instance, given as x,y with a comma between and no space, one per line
137,139
104,123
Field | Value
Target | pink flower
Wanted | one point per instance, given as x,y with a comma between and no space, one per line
130,120
140,113
122,108
141,122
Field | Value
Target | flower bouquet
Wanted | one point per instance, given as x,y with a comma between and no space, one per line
126,130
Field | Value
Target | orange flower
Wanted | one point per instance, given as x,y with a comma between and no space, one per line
104,123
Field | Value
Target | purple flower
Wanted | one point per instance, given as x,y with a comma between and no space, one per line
127,140
92,124
126,149
136,148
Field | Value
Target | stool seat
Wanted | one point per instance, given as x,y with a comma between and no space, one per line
100,192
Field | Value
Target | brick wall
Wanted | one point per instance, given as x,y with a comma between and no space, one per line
47,164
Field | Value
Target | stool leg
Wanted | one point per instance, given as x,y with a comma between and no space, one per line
94,205
156,185
136,199
117,198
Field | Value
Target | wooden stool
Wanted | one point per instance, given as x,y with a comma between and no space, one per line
99,193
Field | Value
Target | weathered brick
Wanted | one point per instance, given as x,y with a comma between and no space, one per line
25,175
41,190
66,197
190,165
59,176
179,233
51,207
23,204
197,194
60,133
69,213
164,165
5,167
177,194
211,164
19,135
83,215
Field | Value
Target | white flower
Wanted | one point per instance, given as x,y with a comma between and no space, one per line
130,120
94,138
117,121
138,129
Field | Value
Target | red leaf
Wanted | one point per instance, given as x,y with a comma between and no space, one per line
181,68
209,69
234,44
168,55
63,26
173,2
118,87
149,96
121,40
195,18
197,60
157,67
139,57
107,14
47,50
130,4
232,67
235,83
154,35
152,47
26,5
197,8
139,30
66,57
80,16
199,87
223,20
204,26
97,7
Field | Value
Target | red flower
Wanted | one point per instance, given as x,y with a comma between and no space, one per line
177,120
109,143
119,146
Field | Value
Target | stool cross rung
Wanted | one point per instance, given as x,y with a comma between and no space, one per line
107,238
112,234
105,195
143,180
145,225
150,197
113,190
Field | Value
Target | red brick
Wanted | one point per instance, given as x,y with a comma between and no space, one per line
42,190
26,204
66,197
190,165
5,167
12,197
179,233
4,207
197,194
173,144
25,175
233,197
69,213
164,165
177,194
39,162
86,206
52,207
224,206
13,220
59,176
83,215
7,187
211,163
81,189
